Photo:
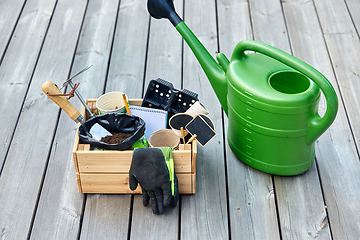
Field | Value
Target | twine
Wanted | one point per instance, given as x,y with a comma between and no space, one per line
70,94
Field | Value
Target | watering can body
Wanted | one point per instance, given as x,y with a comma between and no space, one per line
269,107
270,97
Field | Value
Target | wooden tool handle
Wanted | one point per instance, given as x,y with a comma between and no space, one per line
191,139
50,88
182,134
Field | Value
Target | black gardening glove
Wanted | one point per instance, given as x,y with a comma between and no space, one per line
149,168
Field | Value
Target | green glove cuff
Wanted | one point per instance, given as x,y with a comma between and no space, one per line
167,152
141,143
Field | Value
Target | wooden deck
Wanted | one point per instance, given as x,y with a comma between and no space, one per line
44,40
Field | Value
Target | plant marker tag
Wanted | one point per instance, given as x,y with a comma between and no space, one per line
180,120
203,128
98,132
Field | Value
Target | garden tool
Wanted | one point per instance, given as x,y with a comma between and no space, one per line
270,97
54,93
68,82
110,122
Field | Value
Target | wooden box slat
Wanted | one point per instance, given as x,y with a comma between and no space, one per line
119,183
119,162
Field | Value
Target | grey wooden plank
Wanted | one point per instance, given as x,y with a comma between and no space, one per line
251,194
302,212
126,72
147,225
163,61
341,177
106,216
234,24
165,51
60,205
9,12
22,175
335,149
204,215
16,72
347,71
334,16
346,67
251,202
339,170
297,216
354,8
268,24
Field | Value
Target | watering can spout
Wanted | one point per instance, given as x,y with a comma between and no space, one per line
214,71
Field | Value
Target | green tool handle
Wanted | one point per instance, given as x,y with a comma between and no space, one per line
317,125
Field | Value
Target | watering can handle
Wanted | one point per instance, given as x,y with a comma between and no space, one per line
317,125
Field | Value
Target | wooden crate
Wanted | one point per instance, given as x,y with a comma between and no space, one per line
108,171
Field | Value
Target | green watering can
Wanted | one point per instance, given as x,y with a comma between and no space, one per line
270,97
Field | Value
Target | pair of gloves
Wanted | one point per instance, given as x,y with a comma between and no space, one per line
153,169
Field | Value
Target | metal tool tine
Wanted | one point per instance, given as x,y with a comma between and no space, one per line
68,81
